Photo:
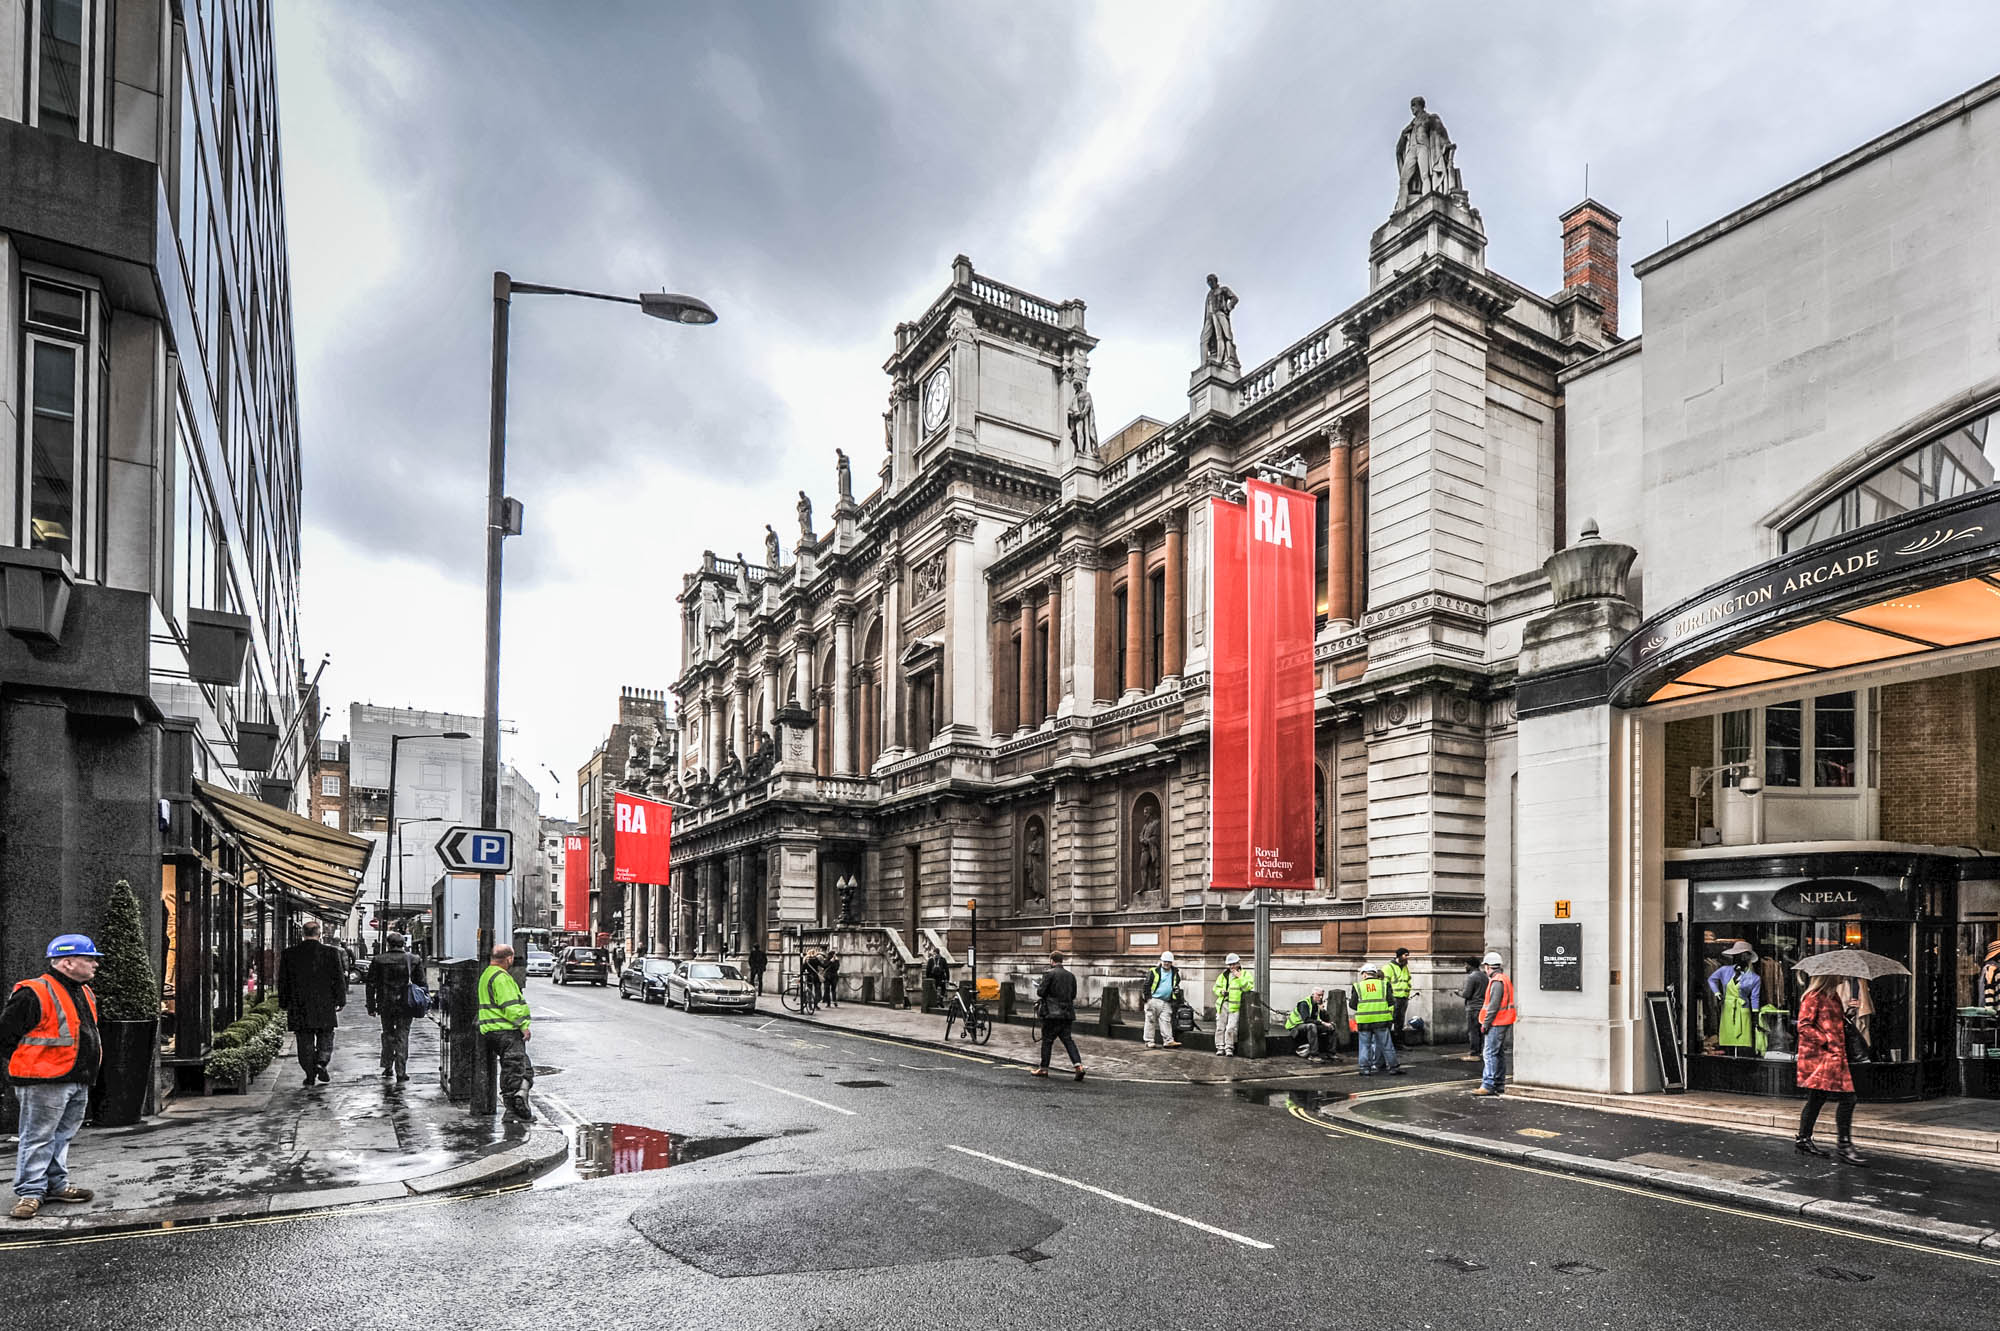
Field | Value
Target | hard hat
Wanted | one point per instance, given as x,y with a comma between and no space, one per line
1232,960
1492,959
1372,968
1166,958
73,945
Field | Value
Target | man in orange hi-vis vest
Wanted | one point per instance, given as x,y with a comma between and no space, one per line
48,1037
1496,1019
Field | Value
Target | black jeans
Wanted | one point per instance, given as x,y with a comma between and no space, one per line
1843,1114
315,1050
1396,1030
1472,1034
396,1044
1320,1039
1053,1030
517,1074
757,977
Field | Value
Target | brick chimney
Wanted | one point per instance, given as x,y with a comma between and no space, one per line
1590,258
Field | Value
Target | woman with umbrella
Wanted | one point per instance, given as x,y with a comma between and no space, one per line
1822,1057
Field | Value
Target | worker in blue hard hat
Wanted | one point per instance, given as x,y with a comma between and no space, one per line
49,1041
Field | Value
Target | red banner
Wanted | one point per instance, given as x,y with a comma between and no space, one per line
576,884
1278,560
642,840
1229,703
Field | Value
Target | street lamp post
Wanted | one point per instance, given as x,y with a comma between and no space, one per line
502,521
389,839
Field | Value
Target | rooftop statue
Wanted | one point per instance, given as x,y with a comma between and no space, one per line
1426,159
1218,334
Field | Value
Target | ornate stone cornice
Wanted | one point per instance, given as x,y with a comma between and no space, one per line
1437,277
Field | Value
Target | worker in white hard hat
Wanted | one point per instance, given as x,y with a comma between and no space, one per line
1163,1000
1373,1003
1496,1022
1232,988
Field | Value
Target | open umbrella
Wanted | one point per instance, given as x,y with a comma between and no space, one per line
1852,961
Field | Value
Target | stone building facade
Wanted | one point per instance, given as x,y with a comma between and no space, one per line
988,677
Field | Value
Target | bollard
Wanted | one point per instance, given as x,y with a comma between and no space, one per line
930,994
1006,1000
1250,1035
1336,1006
1107,1010
867,988
899,993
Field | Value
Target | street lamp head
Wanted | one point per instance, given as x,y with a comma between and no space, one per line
456,734
675,308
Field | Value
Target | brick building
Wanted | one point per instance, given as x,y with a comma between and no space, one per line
643,727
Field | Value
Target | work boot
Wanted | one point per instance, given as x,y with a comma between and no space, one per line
1847,1155
26,1208
71,1193
518,1106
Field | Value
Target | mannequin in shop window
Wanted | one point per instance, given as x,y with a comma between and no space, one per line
1741,989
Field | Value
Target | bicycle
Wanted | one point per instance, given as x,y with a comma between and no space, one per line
963,1009
801,994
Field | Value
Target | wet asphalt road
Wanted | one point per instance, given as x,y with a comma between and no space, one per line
900,1204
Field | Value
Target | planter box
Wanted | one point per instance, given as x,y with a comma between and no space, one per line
34,593
216,645
119,1098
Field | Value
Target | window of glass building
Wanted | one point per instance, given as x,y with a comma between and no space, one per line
1960,461
59,66
56,463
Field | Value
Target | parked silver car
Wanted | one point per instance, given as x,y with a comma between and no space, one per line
541,963
712,984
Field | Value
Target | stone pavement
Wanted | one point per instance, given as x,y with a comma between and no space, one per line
282,1146
1113,1059
1908,1189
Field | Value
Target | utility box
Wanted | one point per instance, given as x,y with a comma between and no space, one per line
455,914
455,986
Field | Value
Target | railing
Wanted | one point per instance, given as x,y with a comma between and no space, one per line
1020,302
730,568
1143,458
1301,358
1012,538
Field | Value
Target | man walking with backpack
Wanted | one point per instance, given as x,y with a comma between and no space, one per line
394,981
1163,999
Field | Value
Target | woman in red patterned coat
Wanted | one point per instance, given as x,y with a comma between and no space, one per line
1822,1069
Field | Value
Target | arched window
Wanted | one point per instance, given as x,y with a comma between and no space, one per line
1957,461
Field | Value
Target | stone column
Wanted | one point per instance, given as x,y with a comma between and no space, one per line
892,651
1026,718
1339,542
1006,675
802,670
843,690
771,700
707,758
1052,671
1135,615
739,724
1171,644
1079,654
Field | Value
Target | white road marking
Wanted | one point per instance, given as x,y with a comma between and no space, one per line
1112,1196
807,1098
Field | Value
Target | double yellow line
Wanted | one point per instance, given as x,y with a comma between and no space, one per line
1609,1185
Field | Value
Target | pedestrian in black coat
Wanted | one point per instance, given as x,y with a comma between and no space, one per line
1473,991
759,959
1055,1004
390,976
312,988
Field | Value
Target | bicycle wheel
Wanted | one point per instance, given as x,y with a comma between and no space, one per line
793,997
979,1026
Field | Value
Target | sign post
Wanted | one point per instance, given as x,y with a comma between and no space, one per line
480,850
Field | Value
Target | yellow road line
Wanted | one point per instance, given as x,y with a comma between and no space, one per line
1549,1171
172,1228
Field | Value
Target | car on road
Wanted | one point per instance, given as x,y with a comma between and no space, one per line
541,963
646,978
583,963
711,984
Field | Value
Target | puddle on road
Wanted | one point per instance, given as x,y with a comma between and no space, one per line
1282,1098
597,1150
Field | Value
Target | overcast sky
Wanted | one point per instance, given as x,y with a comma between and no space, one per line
810,169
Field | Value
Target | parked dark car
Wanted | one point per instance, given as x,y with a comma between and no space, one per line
583,963
646,978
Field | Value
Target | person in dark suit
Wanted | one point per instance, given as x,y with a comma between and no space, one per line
312,988
390,976
1055,1004
759,959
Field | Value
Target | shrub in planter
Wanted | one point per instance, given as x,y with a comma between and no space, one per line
128,1010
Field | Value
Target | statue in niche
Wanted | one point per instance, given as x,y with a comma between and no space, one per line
805,519
1148,852
1426,159
773,556
764,757
888,431
843,476
1083,418
1034,863
1218,332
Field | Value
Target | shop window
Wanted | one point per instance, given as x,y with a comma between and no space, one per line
1808,743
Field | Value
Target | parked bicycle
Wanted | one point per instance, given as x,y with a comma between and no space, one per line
969,1014
801,993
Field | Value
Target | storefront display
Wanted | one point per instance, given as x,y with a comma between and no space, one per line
1751,919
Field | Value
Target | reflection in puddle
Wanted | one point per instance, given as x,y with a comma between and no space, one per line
599,1149
1310,1101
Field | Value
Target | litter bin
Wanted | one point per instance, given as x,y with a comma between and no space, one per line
455,985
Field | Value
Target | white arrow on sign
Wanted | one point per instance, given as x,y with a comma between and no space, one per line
477,850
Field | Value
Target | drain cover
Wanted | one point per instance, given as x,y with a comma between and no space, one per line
1841,1274
1577,1269
1459,1263
890,1217
1032,1255
863,1085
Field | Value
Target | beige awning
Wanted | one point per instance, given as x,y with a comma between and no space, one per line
319,866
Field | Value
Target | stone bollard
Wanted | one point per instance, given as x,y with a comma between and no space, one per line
868,989
899,993
1250,1035
1006,1000
930,994
1108,1010
1336,1006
